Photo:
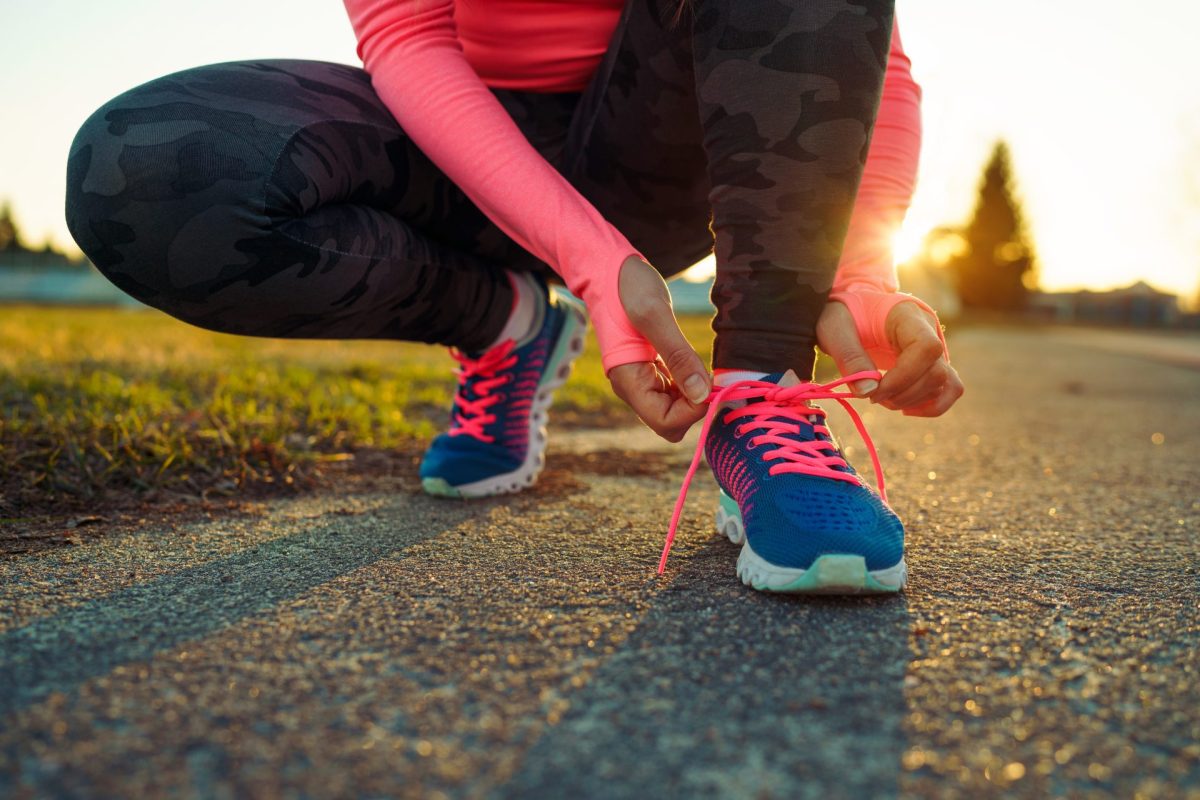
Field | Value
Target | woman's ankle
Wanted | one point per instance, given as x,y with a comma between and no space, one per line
528,309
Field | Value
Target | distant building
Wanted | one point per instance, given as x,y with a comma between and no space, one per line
21,259
53,279
48,276
691,297
1139,305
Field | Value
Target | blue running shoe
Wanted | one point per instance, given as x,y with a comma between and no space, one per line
805,519
497,438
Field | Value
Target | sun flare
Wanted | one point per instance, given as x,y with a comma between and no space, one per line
907,242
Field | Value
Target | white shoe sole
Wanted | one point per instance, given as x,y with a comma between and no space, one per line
832,573
569,348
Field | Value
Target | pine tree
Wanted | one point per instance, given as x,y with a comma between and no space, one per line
997,268
10,237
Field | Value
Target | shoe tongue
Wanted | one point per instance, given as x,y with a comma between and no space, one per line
788,378
784,380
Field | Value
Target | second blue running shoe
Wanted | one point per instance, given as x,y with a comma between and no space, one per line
805,519
497,438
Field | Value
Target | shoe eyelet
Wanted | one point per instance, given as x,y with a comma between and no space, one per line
738,433
752,445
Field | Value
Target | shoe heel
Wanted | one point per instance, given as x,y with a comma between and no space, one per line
569,346
729,518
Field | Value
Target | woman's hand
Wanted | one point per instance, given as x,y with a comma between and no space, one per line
668,395
921,384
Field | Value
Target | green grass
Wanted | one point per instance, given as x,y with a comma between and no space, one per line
100,403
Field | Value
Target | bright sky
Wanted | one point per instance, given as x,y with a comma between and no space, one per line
1097,100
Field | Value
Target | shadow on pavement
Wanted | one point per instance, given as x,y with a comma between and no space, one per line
59,652
724,691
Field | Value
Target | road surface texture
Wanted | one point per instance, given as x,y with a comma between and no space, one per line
398,645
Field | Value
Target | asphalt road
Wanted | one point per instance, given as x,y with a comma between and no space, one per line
396,645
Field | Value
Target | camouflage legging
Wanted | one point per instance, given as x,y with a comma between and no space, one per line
281,198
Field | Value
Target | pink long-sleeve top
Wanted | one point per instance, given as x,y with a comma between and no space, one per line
431,62
535,45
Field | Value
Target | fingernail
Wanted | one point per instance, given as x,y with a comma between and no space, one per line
866,387
696,388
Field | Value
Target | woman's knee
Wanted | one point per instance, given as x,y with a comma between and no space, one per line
147,170
166,182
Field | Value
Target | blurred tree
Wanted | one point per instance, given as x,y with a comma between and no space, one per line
995,266
1187,213
10,237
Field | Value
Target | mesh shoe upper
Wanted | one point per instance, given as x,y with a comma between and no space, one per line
790,518
771,452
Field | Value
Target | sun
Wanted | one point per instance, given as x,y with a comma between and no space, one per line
701,271
907,242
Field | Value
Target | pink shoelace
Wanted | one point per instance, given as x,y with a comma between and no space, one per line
473,415
791,403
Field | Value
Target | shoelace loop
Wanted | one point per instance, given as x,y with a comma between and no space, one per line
791,403
472,417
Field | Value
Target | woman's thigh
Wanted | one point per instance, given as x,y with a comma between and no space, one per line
233,160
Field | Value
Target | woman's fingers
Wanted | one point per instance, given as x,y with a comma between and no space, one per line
942,401
838,336
648,305
921,383
668,394
655,399
919,349
932,395
923,389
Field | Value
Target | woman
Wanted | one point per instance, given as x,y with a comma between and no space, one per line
486,147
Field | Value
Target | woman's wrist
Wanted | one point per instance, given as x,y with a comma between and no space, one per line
870,307
619,341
